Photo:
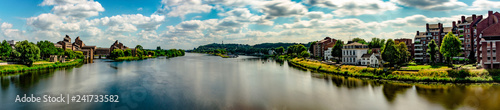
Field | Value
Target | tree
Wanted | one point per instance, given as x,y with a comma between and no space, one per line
280,50
432,49
451,46
47,48
5,49
29,52
152,53
337,50
359,40
403,52
140,53
295,50
139,47
128,52
79,54
69,53
390,53
376,43
116,53
304,54
311,46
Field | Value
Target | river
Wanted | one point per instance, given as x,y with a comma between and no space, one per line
200,81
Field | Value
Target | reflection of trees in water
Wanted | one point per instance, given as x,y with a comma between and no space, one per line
483,97
391,90
342,81
25,80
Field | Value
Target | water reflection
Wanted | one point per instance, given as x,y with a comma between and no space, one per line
199,81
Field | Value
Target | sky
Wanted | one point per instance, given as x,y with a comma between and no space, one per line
186,24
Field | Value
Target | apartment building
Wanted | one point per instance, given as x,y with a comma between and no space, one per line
488,30
434,32
352,53
321,46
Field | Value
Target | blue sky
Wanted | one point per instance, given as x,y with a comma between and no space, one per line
189,23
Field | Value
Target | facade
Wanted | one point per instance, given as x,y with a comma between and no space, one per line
371,60
465,30
78,45
321,46
352,53
409,45
328,54
12,43
489,35
434,32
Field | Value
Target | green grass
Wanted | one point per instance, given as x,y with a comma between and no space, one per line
13,68
127,58
421,67
426,73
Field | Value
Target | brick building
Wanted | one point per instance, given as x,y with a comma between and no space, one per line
409,45
321,46
488,30
434,32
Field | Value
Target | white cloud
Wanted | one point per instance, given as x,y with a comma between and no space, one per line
180,8
435,5
139,9
76,9
46,21
318,15
354,7
480,5
282,8
6,32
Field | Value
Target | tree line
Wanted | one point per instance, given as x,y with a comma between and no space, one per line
28,52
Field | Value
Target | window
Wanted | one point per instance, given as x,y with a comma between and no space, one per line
488,58
493,51
494,58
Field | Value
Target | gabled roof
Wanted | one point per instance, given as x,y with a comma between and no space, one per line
493,30
356,43
366,55
431,26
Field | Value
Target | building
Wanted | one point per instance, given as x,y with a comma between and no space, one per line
488,30
371,60
12,43
328,54
78,45
321,46
352,53
409,45
465,30
434,32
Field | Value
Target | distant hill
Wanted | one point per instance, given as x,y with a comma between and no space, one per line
243,48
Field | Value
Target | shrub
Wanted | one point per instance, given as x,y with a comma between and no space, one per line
461,73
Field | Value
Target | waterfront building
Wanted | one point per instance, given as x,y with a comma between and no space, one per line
371,60
352,53
321,46
78,45
434,32
12,43
328,54
489,35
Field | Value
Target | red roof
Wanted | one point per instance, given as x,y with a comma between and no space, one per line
493,30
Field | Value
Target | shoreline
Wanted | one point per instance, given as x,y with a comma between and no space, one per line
13,69
380,74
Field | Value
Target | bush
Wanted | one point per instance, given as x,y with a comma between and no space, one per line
461,73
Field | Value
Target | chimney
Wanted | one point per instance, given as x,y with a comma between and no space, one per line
418,32
454,24
490,17
463,19
473,17
427,26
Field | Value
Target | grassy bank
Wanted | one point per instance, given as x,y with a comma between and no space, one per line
8,69
426,74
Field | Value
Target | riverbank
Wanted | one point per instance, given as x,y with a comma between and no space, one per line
131,58
427,75
13,68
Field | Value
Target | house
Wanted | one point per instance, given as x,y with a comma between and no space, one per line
328,54
489,33
371,60
352,53
271,52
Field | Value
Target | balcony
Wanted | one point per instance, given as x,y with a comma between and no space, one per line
418,45
419,49
419,58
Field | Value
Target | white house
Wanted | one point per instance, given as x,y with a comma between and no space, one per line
328,54
352,53
371,60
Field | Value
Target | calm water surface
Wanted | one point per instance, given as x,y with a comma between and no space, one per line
199,81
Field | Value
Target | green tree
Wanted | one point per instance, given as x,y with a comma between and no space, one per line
29,52
390,53
128,52
403,52
359,40
116,53
311,46
79,54
5,49
69,53
47,48
139,47
451,46
337,50
152,53
140,53
376,43
305,54
280,50
432,49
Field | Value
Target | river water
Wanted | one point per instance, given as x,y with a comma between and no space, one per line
200,81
